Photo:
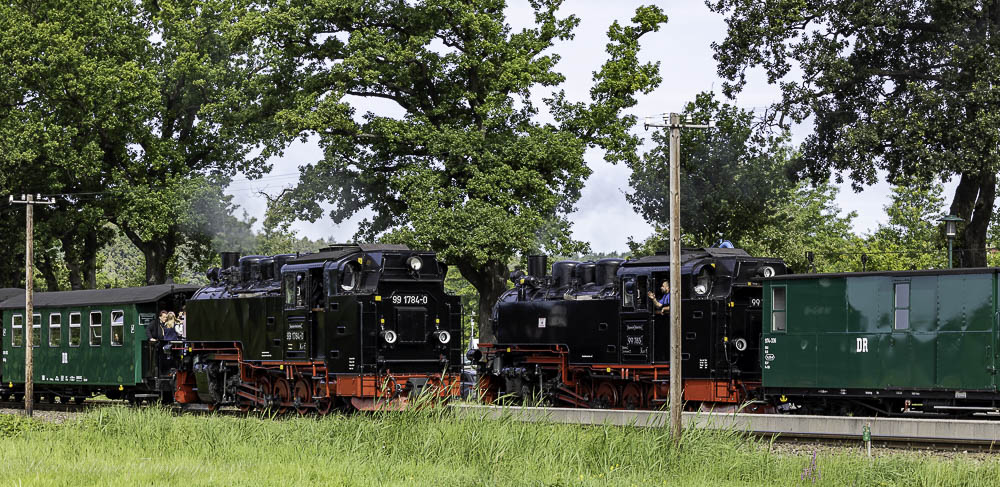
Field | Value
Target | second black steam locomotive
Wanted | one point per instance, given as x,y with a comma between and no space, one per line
589,336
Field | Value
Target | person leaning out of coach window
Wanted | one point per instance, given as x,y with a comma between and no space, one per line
155,330
662,304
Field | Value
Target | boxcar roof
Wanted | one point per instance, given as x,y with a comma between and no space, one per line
97,297
924,272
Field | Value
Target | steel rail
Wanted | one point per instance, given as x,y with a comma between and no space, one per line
885,432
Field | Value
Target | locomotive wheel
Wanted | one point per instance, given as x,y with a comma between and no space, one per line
303,395
324,404
632,396
606,395
651,398
263,391
282,393
585,388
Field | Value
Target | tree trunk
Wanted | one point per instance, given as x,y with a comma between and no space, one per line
973,202
72,260
157,253
45,265
90,248
490,280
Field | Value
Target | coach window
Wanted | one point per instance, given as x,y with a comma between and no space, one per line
17,333
778,308
117,327
95,328
74,329
55,330
902,306
36,330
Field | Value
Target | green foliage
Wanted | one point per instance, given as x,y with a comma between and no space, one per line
140,109
807,219
120,263
454,283
730,176
461,163
912,238
904,87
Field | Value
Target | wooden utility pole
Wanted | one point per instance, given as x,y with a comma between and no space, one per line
676,391
29,283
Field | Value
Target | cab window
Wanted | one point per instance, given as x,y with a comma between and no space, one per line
295,290
628,292
289,283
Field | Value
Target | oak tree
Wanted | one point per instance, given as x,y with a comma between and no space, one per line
908,88
461,158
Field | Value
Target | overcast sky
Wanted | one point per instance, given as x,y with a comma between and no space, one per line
603,218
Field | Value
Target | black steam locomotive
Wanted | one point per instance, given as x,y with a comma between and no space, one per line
350,326
589,336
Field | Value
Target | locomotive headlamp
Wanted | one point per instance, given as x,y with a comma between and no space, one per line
767,271
443,336
414,263
389,336
740,344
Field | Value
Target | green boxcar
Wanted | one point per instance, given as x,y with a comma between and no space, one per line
85,341
887,341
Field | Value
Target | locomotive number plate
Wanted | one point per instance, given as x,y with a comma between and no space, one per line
410,299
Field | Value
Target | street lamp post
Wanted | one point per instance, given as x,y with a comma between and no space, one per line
950,230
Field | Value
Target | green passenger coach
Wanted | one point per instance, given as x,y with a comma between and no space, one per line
921,342
87,342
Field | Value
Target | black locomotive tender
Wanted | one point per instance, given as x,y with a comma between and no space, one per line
589,336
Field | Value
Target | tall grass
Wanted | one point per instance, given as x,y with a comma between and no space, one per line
428,446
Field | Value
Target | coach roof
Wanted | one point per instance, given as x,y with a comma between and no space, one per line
97,297
9,292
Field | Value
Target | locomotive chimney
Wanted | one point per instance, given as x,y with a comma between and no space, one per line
537,265
229,259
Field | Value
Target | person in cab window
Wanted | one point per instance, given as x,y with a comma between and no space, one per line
169,328
154,331
663,304
181,325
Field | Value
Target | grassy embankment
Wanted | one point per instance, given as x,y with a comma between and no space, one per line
124,446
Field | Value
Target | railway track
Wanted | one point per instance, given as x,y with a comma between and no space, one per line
62,407
908,433
904,433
